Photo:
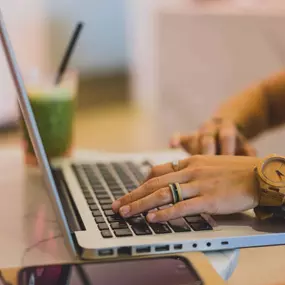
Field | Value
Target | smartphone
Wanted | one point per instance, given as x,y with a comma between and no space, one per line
152,271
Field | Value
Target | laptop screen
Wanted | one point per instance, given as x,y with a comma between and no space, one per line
31,125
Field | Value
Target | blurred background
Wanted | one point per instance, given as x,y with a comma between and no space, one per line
168,62
149,68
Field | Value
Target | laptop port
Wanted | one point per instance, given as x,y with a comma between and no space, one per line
194,245
162,248
208,244
178,246
105,252
145,249
224,242
125,251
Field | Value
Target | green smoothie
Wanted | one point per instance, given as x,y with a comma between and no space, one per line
54,114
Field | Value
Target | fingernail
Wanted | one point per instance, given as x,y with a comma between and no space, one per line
116,205
125,210
151,217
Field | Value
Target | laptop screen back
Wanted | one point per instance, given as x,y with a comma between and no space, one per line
31,125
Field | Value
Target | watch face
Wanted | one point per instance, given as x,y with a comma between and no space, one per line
274,170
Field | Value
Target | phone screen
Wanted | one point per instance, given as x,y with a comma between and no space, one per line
166,271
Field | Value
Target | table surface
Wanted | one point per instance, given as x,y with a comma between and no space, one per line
29,231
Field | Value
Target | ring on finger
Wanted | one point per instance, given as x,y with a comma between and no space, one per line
179,192
176,192
175,165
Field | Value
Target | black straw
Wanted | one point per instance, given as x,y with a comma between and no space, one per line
68,52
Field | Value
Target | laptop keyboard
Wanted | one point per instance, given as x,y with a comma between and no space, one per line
109,182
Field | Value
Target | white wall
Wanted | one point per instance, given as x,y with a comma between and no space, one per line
28,35
142,34
40,29
102,47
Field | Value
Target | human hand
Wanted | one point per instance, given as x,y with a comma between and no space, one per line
216,136
209,184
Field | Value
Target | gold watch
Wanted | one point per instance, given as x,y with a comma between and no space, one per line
271,177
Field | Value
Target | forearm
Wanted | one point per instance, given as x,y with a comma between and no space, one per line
258,108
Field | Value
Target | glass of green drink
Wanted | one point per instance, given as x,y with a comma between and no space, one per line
53,107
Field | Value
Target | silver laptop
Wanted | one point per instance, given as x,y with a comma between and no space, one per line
82,193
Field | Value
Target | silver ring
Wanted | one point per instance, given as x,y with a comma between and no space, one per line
175,165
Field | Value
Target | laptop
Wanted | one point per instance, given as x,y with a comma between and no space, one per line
82,192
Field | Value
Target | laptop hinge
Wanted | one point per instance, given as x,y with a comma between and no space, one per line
73,217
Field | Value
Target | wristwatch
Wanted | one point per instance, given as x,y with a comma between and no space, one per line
270,173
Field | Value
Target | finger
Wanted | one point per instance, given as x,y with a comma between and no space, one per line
227,138
188,207
243,147
194,144
186,143
208,144
158,198
249,150
207,139
175,140
166,168
150,186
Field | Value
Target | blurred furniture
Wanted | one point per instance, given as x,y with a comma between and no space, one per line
189,56
34,237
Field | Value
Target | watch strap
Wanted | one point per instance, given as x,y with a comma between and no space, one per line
271,198
267,212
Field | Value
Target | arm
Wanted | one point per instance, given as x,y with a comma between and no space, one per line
258,108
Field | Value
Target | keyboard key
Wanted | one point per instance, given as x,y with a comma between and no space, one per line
118,192
141,230
194,219
202,226
97,187
129,185
109,213
160,228
135,171
119,225
105,201
102,196
103,226
90,201
113,184
99,220
107,207
93,207
118,196
100,192
96,213
179,225
131,188
106,234
123,233
115,218
137,220
115,188
87,195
